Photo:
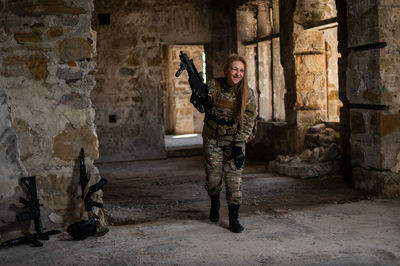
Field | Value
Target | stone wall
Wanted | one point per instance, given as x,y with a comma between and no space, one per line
132,67
257,24
373,94
46,78
311,61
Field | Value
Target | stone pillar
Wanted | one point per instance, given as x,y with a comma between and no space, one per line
311,64
374,94
46,77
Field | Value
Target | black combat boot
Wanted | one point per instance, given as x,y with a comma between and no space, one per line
214,211
234,224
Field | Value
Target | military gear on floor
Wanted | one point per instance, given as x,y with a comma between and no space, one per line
238,156
214,211
234,224
31,239
82,229
95,225
33,204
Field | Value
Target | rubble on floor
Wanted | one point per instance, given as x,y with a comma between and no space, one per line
321,156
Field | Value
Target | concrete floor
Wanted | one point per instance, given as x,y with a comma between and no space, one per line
158,215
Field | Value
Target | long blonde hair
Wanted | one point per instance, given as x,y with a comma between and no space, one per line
243,88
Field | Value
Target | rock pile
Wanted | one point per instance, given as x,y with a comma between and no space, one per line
321,156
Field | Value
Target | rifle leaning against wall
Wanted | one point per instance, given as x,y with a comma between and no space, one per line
33,213
92,227
88,191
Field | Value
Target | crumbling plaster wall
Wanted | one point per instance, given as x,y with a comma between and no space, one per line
46,77
374,95
132,63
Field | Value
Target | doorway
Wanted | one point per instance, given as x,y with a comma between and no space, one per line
183,123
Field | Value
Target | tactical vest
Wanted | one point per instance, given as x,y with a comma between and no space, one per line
221,123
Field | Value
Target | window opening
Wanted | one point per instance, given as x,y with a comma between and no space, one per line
264,61
204,68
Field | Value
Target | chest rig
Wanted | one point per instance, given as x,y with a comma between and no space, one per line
221,121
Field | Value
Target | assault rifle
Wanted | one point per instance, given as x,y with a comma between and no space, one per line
87,191
83,229
31,239
199,97
33,204
33,213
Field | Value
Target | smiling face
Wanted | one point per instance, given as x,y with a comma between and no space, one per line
235,73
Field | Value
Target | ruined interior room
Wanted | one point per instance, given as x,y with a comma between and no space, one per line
321,184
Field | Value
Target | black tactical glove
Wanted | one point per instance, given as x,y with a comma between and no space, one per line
238,156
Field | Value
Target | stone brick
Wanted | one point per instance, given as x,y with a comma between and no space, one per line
357,154
23,37
357,123
148,39
68,143
333,95
44,8
318,128
310,117
75,49
379,182
309,12
379,142
309,41
314,64
311,140
363,22
363,77
39,49
310,92
133,59
390,124
69,75
14,60
37,65
305,170
375,123
326,140
75,101
155,61
389,24
127,71
55,32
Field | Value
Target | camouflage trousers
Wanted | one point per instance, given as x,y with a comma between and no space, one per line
220,167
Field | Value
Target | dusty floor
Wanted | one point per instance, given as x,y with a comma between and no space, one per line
158,215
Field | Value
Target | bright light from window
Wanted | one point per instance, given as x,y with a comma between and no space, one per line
185,136
204,67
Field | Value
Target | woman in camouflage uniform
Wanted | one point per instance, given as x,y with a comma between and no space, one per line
227,128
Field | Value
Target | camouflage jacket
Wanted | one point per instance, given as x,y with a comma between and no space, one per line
222,124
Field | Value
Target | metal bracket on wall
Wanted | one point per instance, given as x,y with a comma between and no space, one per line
369,46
